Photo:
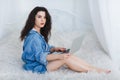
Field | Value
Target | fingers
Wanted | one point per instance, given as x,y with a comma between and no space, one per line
66,55
58,49
63,50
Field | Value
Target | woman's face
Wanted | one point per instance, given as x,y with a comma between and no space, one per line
40,19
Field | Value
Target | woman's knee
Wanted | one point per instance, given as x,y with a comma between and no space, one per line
68,58
54,65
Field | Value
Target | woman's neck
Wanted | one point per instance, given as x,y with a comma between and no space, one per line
37,29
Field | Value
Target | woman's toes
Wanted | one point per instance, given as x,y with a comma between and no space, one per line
108,71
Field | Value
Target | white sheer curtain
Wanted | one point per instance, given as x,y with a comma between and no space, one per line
106,16
70,17
69,14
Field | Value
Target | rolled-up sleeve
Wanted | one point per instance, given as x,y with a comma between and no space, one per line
50,47
40,53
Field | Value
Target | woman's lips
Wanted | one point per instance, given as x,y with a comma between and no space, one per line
42,23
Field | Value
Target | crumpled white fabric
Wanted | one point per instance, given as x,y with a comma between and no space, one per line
90,50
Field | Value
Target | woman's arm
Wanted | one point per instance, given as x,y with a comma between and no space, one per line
57,49
52,50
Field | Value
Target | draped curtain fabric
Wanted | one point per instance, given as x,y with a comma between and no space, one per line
105,17
70,17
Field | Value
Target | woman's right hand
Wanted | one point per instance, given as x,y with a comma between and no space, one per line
64,56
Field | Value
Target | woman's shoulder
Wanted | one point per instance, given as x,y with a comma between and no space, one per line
34,34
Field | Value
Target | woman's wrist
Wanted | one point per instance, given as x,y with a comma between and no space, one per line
52,50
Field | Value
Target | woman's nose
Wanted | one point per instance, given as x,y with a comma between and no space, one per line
42,19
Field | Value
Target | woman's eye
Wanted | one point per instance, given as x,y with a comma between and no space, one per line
44,17
39,16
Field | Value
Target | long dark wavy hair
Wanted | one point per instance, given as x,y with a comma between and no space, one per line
45,31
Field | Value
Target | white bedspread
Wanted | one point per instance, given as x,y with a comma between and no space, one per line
89,50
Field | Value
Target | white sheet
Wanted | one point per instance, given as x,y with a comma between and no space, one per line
90,50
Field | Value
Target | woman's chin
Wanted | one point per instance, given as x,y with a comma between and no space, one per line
41,26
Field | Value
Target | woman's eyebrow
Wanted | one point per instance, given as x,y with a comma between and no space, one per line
38,15
41,15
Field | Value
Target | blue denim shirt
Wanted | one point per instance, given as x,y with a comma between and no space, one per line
35,50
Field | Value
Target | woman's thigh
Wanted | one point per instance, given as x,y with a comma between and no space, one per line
54,65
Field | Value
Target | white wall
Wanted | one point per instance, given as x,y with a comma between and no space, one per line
68,14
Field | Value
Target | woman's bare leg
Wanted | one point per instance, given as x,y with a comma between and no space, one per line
83,62
54,65
88,65
73,63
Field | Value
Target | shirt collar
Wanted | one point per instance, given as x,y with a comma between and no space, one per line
33,29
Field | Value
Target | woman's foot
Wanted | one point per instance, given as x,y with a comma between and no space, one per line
108,71
103,70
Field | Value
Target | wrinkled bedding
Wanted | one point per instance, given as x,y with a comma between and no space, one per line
85,46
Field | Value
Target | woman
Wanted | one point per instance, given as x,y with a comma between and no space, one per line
37,53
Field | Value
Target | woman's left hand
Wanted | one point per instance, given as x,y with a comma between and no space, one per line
59,49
